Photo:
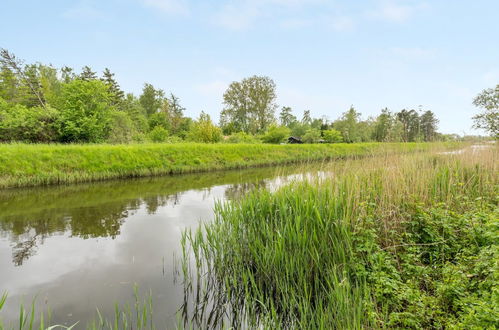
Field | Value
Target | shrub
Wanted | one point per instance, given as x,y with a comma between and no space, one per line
276,134
312,135
203,130
242,137
158,134
20,123
122,128
85,111
332,136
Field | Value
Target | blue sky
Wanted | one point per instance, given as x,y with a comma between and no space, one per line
324,55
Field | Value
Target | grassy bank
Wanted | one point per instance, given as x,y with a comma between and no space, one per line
406,241
31,165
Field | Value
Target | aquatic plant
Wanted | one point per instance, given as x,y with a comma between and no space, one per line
406,241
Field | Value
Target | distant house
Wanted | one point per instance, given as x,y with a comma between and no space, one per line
294,140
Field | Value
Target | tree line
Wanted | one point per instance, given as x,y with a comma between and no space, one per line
40,103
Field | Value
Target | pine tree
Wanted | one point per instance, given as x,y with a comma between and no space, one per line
117,95
87,74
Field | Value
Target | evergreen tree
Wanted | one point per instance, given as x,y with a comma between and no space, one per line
87,74
117,95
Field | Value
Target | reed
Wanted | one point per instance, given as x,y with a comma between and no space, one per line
376,245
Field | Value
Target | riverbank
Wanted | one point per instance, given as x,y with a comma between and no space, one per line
24,165
391,242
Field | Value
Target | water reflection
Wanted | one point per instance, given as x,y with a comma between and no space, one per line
84,246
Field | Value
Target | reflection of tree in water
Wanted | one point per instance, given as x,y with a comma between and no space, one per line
238,190
29,216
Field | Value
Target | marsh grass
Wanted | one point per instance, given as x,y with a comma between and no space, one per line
137,315
371,246
37,164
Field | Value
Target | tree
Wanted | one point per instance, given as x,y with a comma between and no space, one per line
307,119
87,74
348,126
203,130
286,116
151,99
175,113
332,136
27,74
382,126
488,119
85,111
67,74
428,123
117,95
249,105
411,126
312,135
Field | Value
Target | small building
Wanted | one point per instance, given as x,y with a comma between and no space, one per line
294,140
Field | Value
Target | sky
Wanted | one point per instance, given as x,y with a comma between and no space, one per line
324,55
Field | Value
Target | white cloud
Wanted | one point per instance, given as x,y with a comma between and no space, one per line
241,14
168,6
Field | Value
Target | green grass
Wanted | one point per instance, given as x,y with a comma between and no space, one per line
32,165
405,241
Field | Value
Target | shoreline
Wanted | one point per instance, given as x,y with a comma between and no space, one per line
28,165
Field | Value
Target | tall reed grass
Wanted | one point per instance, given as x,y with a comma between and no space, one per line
372,246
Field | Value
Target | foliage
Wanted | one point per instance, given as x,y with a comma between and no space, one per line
85,113
332,136
488,120
203,130
151,99
242,137
249,105
312,135
286,117
122,129
158,134
276,134
369,247
20,123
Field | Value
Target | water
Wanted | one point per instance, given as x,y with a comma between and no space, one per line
81,247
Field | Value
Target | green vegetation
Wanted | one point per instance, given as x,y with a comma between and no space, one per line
406,241
29,165
42,104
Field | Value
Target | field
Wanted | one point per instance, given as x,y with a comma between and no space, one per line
38,164
398,241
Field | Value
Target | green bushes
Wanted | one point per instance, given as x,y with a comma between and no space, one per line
389,243
20,123
276,134
25,165
85,114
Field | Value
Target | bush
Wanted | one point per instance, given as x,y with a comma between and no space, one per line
312,135
276,134
158,134
85,111
204,130
332,136
159,119
20,123
122,128
242,137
